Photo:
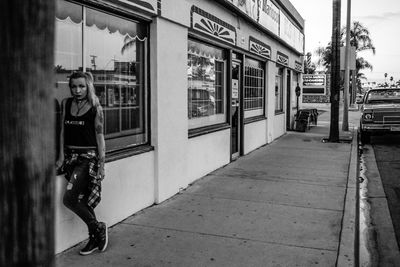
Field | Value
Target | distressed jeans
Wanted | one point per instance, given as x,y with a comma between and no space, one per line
75,197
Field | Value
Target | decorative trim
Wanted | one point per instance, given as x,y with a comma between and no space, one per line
159,7
259,48
298,66
206,23
282,59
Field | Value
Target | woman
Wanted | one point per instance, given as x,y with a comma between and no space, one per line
82,155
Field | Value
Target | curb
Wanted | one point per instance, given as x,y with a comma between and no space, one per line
347,255
380,231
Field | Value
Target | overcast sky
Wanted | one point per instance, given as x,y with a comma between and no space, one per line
380,17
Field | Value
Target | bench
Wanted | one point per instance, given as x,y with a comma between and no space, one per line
304,118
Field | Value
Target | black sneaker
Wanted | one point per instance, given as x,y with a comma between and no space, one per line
91,246
102,236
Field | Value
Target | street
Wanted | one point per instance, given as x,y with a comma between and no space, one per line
387,154
380,201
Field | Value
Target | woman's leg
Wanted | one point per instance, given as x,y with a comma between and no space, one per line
75,197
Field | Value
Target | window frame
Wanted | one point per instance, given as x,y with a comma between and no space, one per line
249,83
117,144
204,126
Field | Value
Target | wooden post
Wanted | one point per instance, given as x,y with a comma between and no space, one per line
27,133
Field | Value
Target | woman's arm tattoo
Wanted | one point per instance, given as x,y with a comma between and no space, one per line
99,121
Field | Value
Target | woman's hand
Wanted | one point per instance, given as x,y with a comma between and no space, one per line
101,172
59,162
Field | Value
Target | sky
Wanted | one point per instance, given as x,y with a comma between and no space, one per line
380,17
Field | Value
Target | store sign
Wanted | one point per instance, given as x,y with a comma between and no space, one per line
211,25
235,88
259,48
290,34
314,84
146,5
249,7
269,16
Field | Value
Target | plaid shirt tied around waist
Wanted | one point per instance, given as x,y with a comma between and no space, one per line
72,158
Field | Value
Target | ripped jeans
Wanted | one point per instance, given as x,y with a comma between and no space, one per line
78,190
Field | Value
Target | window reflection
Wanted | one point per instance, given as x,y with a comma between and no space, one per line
68,45
205,71
253,88
114,52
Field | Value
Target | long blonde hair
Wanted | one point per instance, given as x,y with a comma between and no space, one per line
91,94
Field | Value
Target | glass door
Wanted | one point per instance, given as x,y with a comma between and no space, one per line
235,110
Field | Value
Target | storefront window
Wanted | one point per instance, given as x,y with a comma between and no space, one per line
206,86
114,52
253,88
279,90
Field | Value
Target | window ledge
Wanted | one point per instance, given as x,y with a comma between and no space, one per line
279,112
208,129
127,152
254,119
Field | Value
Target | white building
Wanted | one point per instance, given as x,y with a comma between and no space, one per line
187,86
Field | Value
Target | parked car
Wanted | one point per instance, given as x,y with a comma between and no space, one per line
202,103
380,112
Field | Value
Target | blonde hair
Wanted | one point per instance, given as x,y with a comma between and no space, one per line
91,94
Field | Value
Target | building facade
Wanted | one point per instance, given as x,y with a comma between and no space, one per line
186,86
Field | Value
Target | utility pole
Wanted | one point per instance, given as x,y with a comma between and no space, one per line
27,133
345,122
335,73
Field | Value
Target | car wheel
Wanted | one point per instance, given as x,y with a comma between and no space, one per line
365,137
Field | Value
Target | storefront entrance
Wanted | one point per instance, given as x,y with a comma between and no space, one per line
288,100
235,110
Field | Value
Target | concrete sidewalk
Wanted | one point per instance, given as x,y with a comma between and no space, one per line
289,203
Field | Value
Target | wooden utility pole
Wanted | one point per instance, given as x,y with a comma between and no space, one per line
26,133
335,73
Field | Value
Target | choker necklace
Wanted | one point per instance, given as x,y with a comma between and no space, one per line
80,107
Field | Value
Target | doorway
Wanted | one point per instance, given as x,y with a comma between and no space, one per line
288,101
235,110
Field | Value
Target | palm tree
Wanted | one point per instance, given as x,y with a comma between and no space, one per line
335,72
359,38
27,133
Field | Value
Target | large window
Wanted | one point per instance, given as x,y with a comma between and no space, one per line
206,86
253,88
279,90
113,50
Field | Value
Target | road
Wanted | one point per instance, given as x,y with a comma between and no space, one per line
387,154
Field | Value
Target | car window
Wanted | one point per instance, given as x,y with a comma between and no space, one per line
383,96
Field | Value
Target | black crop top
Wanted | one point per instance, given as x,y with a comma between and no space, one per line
79,130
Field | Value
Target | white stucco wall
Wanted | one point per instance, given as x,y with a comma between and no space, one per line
255,135
207,153
169,106
127,188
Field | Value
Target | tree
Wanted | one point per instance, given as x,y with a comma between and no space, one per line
27,133
359,38
335,72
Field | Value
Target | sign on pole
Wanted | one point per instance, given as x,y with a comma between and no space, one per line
352,58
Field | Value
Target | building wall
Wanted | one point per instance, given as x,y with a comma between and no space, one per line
138,181
127,188
255,135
